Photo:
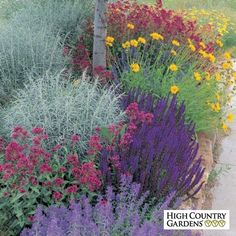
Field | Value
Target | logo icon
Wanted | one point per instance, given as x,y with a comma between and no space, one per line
207,223
215,223
222,223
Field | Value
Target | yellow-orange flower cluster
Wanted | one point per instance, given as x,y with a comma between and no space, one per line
156,36
135,67
109,41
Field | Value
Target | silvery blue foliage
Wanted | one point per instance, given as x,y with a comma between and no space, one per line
63,108
32,40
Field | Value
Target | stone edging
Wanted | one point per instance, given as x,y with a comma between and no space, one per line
207,144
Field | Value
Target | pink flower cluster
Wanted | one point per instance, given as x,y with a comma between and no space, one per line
26,163
136,116
94,145
89,176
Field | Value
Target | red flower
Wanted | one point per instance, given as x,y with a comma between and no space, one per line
62,169
37,140
37,130
57,196
5,194
21,190
94,144
125,140
45,168
33,180
90,176
74,139
13,150
58,182
56,147
72,159
72,189
47,184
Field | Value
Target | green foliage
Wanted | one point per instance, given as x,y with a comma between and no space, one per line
31,41
32,175
227,7
156,78
63,109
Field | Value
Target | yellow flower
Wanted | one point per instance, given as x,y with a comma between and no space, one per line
135,67
207,76
175,43
225,127
217,76
192,47
203,53
109,44
173,52
173,67
130,26
211,57
219,43
126,44
215,107
190,41
142,40
174,89
134,43
109,41
197,76
227,56
156,36
203,45
226,65
230,117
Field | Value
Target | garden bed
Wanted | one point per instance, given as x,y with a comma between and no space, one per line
94,147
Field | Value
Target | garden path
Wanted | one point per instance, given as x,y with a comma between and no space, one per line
225,192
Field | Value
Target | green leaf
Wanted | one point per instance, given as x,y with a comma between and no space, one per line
122,132
105,133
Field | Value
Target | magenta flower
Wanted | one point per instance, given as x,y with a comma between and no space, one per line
45,168
57,196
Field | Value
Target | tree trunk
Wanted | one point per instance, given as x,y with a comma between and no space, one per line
100,33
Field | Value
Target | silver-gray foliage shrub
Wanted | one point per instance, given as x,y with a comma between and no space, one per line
31,41
62,108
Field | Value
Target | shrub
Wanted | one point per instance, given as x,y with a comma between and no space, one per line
147,19
32,41
144,18
31,174
63,109
26,51
157,147
60,16
156,66
123,213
